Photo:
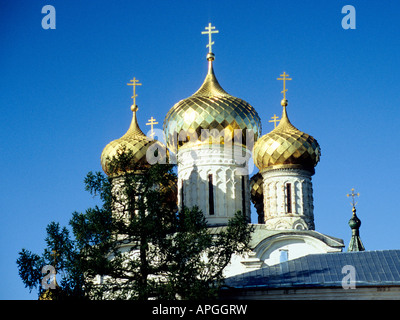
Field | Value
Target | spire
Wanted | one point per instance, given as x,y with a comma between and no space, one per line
210,86
355,223
210,54
355,241
284,122
134,127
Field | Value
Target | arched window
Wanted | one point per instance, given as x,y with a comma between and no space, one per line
289,197
182,195
211,194
243,197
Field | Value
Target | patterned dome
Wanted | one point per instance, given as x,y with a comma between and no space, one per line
134,140
256,188
286,146
211,107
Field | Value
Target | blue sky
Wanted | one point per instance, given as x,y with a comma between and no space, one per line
63,97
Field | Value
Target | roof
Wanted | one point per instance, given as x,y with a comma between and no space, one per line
261,234
372,268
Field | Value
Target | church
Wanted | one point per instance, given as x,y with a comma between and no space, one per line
216,140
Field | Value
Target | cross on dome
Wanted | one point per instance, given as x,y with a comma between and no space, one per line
210,31
54,254
134,83
284,78
275,119
151,123
353,195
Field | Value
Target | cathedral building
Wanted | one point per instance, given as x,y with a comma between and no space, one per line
215,136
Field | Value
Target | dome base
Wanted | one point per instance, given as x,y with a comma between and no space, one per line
288,199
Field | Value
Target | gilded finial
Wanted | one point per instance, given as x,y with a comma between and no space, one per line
284,76
54,254
210,31
275,119
151,123
134,83
353,196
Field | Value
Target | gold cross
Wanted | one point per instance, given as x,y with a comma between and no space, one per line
209,32
353,195
151,123
134,84
284,75
54,254
274,120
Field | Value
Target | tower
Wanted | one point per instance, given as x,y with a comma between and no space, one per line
212,134
138,149
286,158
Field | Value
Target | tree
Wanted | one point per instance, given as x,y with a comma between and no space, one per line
61,253
137,245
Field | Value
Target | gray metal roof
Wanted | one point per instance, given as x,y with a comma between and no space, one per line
372,268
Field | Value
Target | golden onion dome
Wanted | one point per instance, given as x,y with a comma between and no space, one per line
256,189
286,147
210,107
134,141
257,195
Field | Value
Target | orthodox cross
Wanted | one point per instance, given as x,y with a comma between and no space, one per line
54,254
353,195
151,123
210,32
134,83
275,119
284,75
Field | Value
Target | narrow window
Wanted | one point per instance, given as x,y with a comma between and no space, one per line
211,194
289,197
182,195
243,197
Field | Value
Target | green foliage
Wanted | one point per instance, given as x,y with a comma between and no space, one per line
137,245
30,264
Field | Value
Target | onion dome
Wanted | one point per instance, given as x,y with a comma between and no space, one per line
256,188
134,141
354,222
210,107
286,147
53,294
257,195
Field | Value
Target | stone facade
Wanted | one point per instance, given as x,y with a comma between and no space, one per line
288,199
216,180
